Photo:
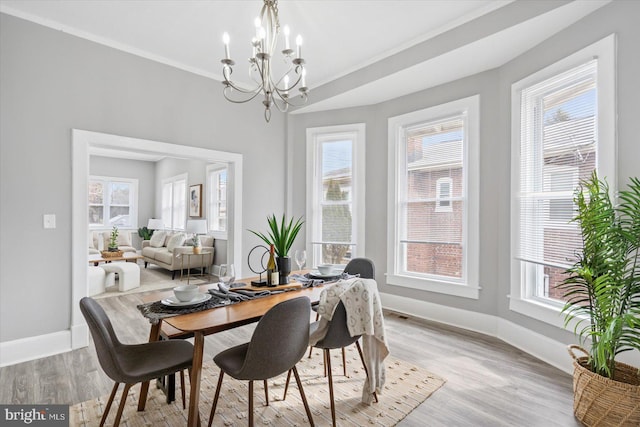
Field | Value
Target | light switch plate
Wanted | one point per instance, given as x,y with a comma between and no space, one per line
49,220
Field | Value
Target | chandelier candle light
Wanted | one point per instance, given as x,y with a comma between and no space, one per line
264,45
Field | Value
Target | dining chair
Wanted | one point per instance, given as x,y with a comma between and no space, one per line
365,269
279,341
337,336
131,363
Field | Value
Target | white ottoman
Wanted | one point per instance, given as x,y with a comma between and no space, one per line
96,278
128,274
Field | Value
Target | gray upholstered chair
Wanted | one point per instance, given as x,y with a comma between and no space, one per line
131,363
279,341
337,336
364,268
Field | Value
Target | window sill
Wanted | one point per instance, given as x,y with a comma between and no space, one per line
538,310
441,287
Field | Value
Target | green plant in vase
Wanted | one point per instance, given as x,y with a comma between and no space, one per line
113,240
281,235
145,233
197,244
603,294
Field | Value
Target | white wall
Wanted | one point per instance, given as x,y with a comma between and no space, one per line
52,82
494,87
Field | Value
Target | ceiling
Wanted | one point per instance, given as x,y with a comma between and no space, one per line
340,36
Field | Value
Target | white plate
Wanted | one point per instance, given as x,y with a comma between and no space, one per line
316,273
175,302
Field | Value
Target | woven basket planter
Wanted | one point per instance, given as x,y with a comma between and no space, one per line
600,401
111,254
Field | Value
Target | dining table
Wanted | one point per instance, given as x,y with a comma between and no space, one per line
199,324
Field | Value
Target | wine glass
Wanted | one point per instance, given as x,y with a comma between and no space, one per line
301,258
227,274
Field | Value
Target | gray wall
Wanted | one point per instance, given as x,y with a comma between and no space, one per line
52,82
494,87
143,171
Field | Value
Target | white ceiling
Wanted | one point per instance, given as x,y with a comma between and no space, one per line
340,36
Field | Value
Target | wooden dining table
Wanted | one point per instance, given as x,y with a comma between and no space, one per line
211,321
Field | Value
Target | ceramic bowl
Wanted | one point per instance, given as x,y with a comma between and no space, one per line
185,293
325,269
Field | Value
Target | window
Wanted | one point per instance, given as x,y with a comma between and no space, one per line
433,171
217,200
113,202
562,132
335,193
174,202
443,195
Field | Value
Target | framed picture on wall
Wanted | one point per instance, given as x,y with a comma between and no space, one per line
195,200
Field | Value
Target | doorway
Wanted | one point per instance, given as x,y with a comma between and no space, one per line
83,142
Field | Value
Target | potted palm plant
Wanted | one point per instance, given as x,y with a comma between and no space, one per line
281,236
603,297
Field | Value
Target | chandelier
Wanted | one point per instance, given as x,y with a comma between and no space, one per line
261,66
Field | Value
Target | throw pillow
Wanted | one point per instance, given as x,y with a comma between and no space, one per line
206,241
157,239
175,241
124,238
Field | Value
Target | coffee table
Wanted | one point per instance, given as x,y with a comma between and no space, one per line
96,259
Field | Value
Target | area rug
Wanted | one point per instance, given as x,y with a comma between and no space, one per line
154,278
407,386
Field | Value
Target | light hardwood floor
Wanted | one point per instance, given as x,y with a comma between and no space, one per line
489,383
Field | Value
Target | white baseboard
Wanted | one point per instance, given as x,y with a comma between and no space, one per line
25,349
79,336
537,345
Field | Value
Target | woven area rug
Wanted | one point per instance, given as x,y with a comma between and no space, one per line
406,387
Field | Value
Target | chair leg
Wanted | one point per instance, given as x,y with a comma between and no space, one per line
184,399
286,385
344,361
123,400
250,403
215,398
266,392
108,407
302,395
364,365
311,347
327,358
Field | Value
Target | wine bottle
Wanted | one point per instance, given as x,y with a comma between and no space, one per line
272,268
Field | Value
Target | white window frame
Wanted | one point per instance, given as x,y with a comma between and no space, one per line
522,299
468,285
133,201
439,199
213,173
173,181
315,138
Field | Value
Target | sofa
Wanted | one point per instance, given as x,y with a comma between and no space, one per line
99,241
165,249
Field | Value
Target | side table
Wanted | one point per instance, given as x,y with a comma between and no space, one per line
202,269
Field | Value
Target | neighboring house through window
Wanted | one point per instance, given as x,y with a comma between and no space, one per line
335,193
563,118
113,202
217,200
443,195
433,207
174,202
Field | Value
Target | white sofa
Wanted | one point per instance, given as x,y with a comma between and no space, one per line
165,249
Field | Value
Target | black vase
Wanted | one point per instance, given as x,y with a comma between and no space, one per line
284,268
